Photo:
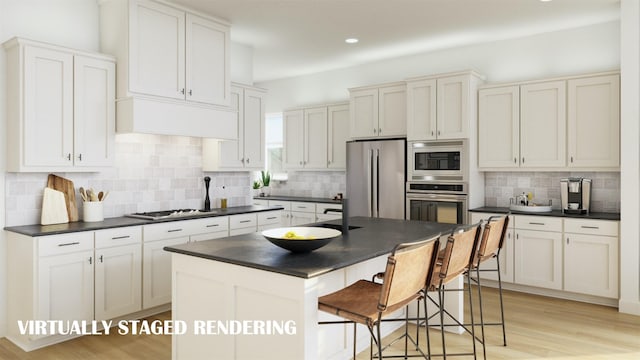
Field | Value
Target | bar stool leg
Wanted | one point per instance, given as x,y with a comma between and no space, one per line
441,300
473,332
504,332
426,325
484,351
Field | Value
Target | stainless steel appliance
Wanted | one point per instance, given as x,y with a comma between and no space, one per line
575,195
164,214
376,178
443,202
437,160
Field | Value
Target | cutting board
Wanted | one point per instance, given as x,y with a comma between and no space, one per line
66,187
54,207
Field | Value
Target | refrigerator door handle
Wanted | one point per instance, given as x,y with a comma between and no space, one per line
370,187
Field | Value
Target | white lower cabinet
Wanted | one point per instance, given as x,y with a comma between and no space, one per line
591,257
243,224
539,259
157,272
269,219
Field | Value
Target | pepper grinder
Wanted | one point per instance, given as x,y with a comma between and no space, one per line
207,201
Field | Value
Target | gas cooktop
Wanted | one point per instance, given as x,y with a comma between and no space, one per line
164,214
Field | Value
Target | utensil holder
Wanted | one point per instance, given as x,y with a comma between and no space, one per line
92,211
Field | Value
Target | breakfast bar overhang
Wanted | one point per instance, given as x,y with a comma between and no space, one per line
242,297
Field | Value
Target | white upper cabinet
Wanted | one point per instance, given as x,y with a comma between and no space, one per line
567,123
440,106
594,122
499,126
293,122
338,133
543,124
315,138
378,111
173,63
246,153
60,108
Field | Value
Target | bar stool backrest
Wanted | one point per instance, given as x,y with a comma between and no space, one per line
459,252
493,236
408,271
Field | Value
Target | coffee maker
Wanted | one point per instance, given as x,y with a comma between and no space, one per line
575,195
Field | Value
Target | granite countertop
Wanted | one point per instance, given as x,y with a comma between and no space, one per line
123,221
375,237
558,213
298,198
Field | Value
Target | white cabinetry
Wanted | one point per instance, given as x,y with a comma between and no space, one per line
378,111
338,134
593,112
269,219
172,63
243,224
538,251
208,228
506,253
246,153
302,212
60,108
118,272
499,127
591,257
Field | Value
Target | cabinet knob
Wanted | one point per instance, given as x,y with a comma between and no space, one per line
438,132
242,160
572,159
80,157
432,133
328,162
300,162
190,92
515,161
375,130
90,260
182,91
523,160
101,259
567,241
69,156
379,130
247,160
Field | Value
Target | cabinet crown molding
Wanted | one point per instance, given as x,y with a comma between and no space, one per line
549,79
20,41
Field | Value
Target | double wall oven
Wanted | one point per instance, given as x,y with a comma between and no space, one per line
436,189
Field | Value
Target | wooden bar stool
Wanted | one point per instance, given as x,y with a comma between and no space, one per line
453,261
408,271
493,237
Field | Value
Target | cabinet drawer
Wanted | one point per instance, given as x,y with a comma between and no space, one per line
260,202
591,227
118,236
207,225
321,207
303,206
285,204
166,230
269,217
65,243
242,221
542,223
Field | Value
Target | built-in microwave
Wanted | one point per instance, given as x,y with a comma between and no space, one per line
437,160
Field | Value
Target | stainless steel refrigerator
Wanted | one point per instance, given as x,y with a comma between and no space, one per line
376,173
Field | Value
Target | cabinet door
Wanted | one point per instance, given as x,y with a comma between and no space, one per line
207,61
421,110
363,114
338,134
118,283
594,122
453,107
538,259
315,138
48,108
254,129
232,151
499,127
301,218
591,265
65,287
94,111
156,49
543,122
293,139
392,111
156,272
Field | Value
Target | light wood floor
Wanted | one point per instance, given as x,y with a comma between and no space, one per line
537,328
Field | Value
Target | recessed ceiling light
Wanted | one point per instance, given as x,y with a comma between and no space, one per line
351,40
546,0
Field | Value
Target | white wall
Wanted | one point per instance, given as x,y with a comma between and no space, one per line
241,63
630,158
71,23
574,51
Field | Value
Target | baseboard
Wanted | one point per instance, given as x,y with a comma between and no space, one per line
629,307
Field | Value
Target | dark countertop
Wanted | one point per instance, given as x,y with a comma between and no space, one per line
123,221
558,213
298,198
375,237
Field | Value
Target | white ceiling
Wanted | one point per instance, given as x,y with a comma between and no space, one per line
297,37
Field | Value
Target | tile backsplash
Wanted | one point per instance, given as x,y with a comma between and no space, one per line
320,184
151,172
545,186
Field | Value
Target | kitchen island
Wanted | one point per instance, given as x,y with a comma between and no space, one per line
271,294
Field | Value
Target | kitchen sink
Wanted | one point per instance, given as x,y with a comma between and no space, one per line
336,226
530,208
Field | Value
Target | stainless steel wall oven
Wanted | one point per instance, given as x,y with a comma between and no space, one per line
443,202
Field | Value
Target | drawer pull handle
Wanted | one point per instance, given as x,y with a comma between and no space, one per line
245,221
69,244
213,225
101,259
120,237
567,241
536,223
590,227
272,218
90,260
174,230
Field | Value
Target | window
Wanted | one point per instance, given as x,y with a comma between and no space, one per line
274,144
